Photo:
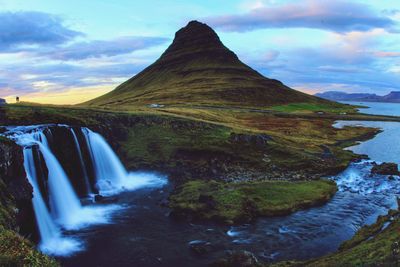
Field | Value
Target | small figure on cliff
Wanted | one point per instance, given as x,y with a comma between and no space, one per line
17,99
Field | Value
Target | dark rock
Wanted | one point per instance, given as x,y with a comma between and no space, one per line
98,198
200,247
17,192
103,199
386,169
238,259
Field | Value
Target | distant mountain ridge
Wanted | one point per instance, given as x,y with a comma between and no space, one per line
392,97
198,69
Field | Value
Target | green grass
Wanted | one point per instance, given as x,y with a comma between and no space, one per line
315,107
241,202
17,251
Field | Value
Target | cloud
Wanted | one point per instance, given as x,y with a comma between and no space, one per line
337,16
19,29
103,48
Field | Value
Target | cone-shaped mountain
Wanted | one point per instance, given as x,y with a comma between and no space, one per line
198,69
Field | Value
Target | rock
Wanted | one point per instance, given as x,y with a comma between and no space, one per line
98,198
386,169
15,191
103,199
238,259
200,247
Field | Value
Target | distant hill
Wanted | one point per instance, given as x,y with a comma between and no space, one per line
393,97
2,101
198,69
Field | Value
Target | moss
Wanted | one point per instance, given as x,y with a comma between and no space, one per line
239,202
17,251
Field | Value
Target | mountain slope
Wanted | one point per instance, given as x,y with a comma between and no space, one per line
198,69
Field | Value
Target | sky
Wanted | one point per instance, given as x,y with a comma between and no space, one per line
67,52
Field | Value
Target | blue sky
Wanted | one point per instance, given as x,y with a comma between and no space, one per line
66,52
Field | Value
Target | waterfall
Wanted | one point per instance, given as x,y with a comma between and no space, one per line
63,197
47,229
110,173
52,241
66,212
82,162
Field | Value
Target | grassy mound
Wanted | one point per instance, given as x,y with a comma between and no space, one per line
242,202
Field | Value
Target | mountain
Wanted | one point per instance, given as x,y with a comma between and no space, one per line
393,96
198,69
341,96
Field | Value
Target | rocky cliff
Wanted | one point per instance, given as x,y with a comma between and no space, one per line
16,214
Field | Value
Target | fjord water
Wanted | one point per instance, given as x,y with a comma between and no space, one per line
144,235
377,108
64,210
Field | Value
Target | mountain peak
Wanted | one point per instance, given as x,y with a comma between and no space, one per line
197,39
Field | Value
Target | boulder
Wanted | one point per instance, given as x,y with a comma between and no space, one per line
200,247
385,169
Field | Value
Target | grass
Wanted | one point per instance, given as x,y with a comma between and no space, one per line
242,202
17,251
315,107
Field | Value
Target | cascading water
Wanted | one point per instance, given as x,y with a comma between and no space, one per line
111,176
66,210
82,162
50,233
108,168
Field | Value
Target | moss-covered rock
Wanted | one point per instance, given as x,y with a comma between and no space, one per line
242,202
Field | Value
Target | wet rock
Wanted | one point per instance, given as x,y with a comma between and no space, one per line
103,199
238,259
98,198
200,247
386,168
15,191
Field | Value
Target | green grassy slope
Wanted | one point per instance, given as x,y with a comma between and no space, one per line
198,69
